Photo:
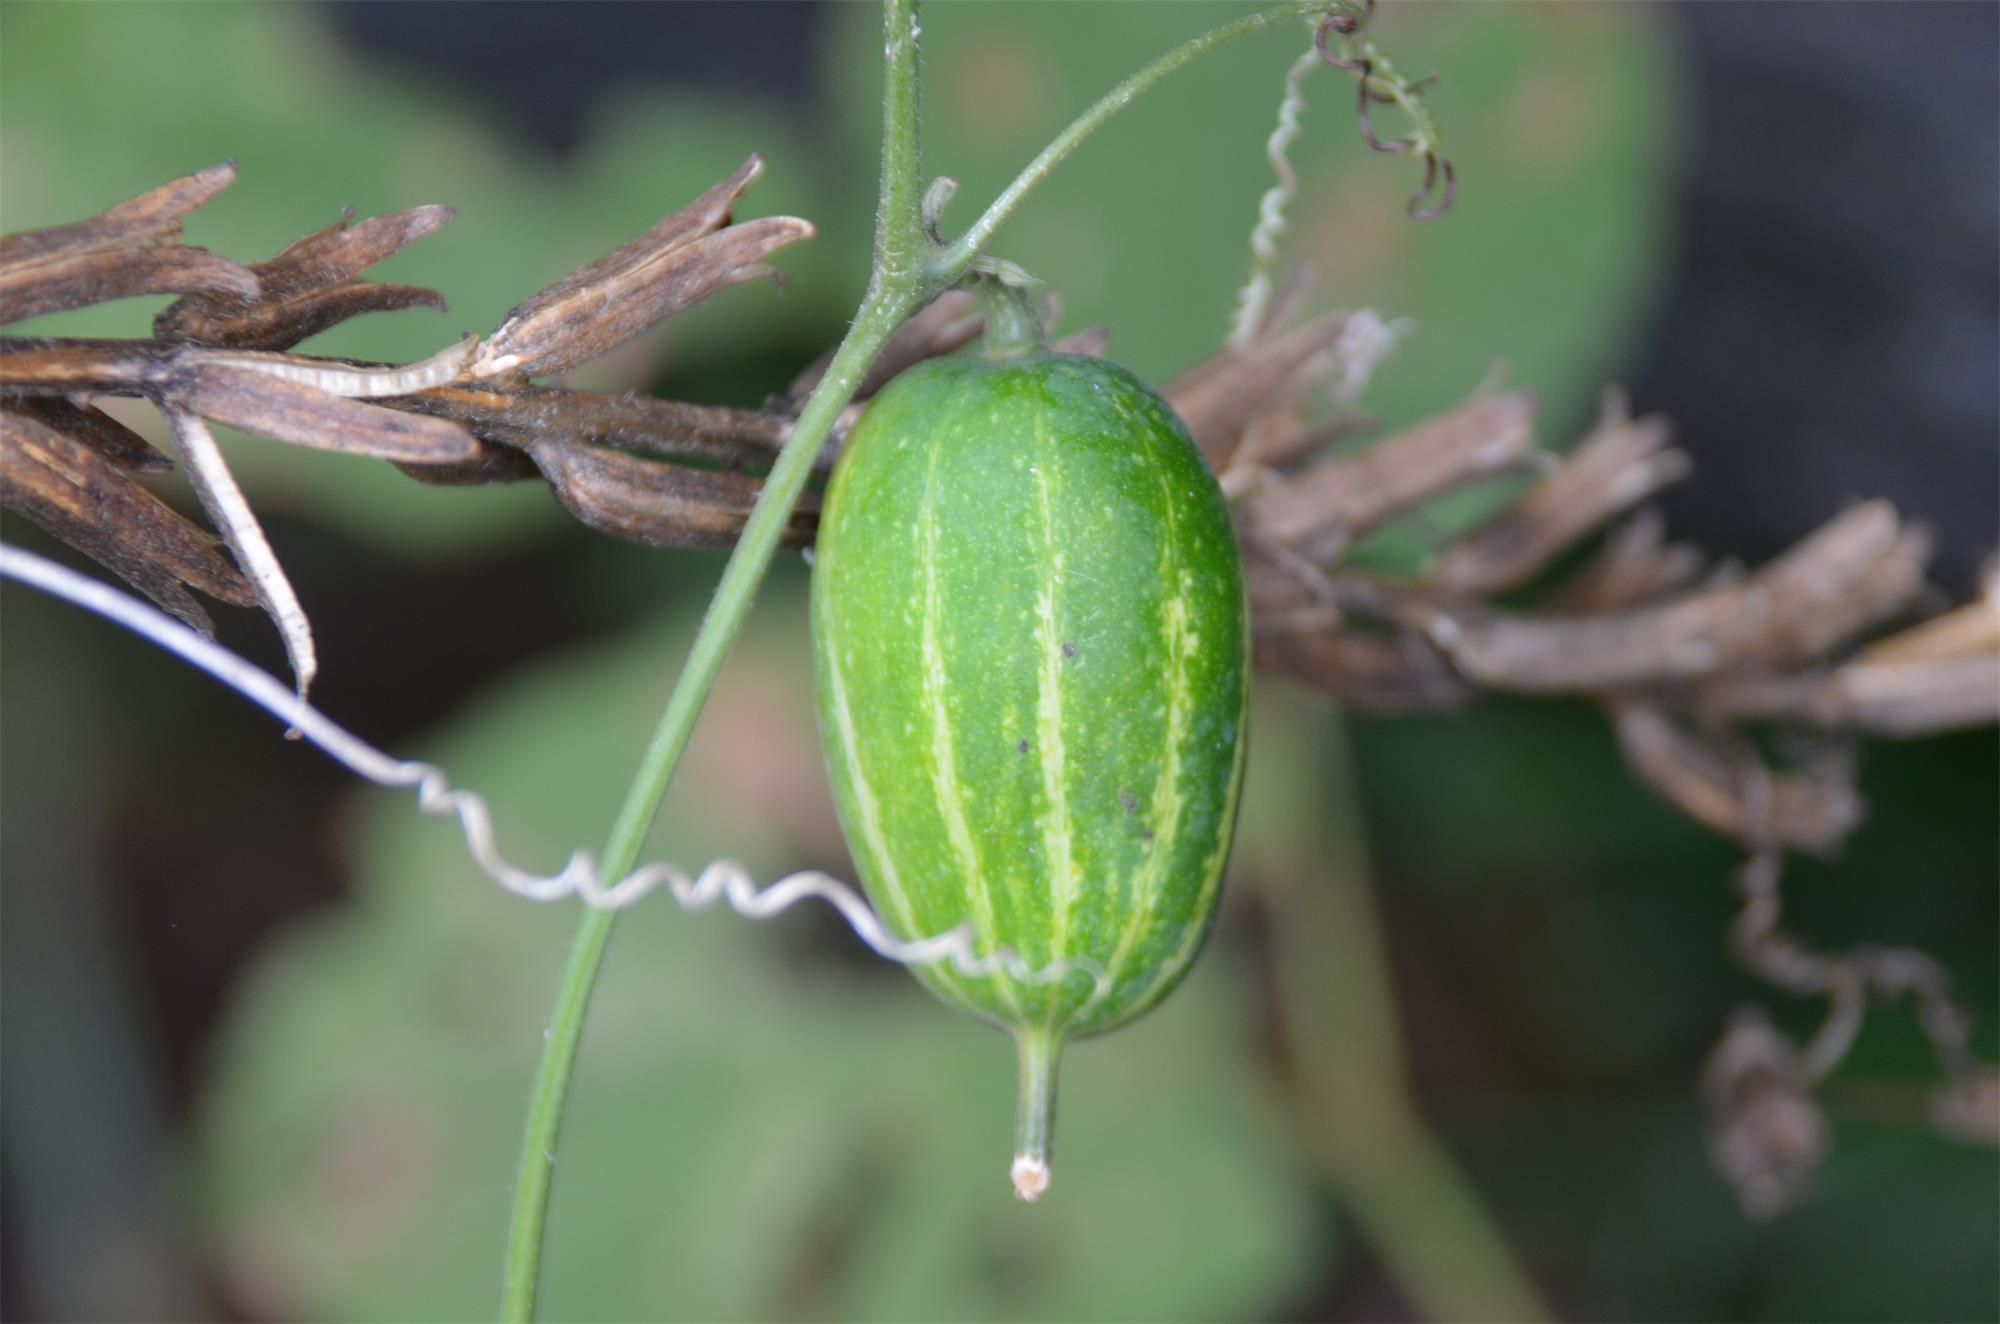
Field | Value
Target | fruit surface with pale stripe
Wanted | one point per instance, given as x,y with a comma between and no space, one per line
1032,652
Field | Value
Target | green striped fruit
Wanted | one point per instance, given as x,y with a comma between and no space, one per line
1031,642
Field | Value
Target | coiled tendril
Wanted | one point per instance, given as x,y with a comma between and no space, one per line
1379,83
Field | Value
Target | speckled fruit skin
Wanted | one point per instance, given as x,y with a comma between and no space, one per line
1032,650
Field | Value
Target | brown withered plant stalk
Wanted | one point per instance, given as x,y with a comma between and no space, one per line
1688,661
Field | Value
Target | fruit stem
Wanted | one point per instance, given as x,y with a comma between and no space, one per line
1014,308
1034,1109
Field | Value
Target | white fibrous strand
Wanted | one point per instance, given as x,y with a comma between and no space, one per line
722,880
225,503
351,381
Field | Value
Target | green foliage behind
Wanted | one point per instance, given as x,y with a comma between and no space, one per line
761,1130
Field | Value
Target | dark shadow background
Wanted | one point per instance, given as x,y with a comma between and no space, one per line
1822,341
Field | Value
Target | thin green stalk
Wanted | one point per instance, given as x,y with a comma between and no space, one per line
1013,304
719,626
895,292
551,1089
1355,1113
954,256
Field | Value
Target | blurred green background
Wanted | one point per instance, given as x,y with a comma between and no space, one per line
267,1036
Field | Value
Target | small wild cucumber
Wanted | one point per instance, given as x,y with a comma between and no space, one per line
1031,642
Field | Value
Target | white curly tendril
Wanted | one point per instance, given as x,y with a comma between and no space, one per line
723,880
1255,296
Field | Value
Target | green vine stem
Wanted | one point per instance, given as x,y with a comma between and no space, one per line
909,270
738,586
895,291
1350,1082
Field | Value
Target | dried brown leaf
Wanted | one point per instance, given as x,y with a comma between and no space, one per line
1861,568
1219,398
677,263
59,281
79,496
1621,463
1319,512
1372,672
708,213
517,414
309,286
1636,565
154,217
663,505
1899,698
491,464
1961,632
269,406
44,366
1856,570
257,325
95,429
131,249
